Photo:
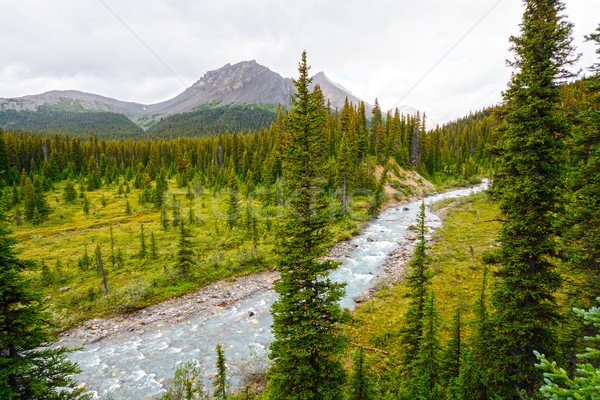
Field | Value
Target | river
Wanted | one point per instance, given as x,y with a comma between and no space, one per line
135,366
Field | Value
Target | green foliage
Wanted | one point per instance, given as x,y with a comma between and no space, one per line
84,124
531,158
28,369
423,383
185,254
418,282
585,384
308,342
213,120
220,382
69,192
582,219
360,385
142,252
187,383
35,203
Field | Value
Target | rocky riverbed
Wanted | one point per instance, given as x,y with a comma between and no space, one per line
211,298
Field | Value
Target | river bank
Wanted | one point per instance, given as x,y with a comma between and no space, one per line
221,294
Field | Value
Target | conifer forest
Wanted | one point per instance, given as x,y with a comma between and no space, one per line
103,218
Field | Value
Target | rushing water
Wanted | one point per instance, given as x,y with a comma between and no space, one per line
135,366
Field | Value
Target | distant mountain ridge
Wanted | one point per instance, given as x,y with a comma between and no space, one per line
244,83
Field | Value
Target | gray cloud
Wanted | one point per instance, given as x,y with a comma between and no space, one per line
377,49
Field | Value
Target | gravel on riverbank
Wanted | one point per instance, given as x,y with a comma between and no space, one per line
220,294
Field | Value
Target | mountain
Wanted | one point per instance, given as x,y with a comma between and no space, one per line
336,93
246,82
71,101
243,84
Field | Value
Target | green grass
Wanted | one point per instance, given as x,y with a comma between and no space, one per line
470,223
59,244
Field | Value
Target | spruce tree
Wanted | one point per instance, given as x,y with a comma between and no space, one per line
233,206
361,385
417,284
308,341
582,221
220,382
28,368
164,219
585,383
142,252
528,185
185,255
160,189
451,360
86,205
424,384
69,192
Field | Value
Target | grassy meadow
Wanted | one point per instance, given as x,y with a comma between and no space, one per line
470,227
65,247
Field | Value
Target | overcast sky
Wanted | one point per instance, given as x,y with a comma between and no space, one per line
444,57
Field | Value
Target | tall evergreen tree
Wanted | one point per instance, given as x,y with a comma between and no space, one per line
69,192
450,362
417,283
28,369
220,382
142,252
308,341
582,221
424,385
153,246
527,184
361,385
185,254
233,206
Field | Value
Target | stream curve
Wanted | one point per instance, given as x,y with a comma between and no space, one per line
139,364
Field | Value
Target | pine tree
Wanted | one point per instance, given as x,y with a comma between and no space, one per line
344,171
220,382
417,283
426,366
233,207
86,205
451,360
160,189
185,255
142,252
528,186
360,383
69,192
308,341
28,368
582,221
585,384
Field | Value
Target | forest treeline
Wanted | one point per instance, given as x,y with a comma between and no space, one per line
352,145
84,124
209,120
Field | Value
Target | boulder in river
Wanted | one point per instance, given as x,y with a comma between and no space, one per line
360,299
